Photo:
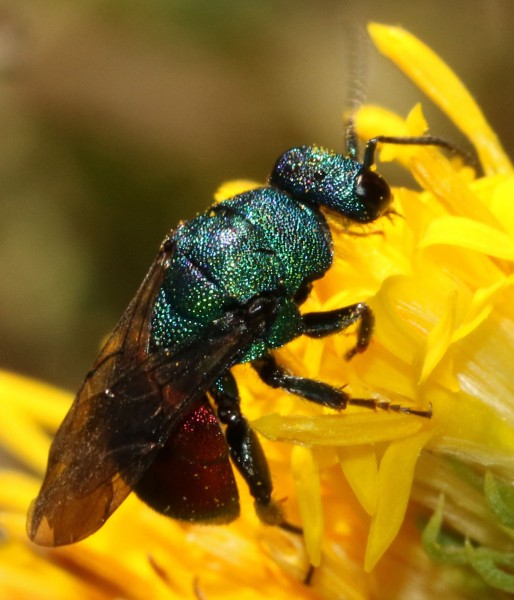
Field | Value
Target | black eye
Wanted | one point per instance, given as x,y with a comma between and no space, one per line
374,194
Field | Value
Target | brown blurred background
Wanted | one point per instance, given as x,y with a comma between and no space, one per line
120,117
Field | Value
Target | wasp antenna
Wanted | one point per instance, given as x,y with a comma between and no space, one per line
357,48
422,140
352,142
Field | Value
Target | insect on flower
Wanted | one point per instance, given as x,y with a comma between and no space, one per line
225,288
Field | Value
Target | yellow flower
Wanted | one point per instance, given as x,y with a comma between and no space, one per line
391,505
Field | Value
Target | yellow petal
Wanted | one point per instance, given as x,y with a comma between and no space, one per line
336,430
432,170
439,338
470,234
29,407
395,476
24,439
359,464
480,307
415,125
306,476
234,187
444,88
46,403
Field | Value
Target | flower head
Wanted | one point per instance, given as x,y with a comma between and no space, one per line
438,276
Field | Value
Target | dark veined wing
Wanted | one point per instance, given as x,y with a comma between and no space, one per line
124,412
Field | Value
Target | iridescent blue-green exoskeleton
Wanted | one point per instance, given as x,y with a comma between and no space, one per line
225,288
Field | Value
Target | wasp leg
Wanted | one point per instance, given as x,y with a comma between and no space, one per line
246,451
316,391
309,575
321,324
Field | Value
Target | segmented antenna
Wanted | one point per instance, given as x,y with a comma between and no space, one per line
357,52
424,140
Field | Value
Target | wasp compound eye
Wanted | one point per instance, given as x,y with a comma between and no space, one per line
373,194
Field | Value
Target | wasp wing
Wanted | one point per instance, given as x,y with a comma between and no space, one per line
124,413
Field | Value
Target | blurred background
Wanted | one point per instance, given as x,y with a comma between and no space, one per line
120,117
